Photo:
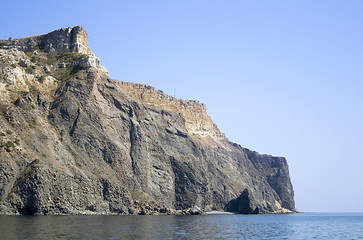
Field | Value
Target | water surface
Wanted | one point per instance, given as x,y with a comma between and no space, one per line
292,226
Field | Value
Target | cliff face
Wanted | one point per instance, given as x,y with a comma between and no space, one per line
195,113
60,41
74,141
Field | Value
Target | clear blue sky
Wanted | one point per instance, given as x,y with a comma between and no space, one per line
279,77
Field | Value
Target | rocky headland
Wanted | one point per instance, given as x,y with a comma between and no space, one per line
74,141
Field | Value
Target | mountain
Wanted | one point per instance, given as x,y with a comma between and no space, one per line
74,141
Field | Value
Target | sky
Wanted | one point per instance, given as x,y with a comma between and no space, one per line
279,77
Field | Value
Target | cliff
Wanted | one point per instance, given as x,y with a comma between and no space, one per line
60,41
195,114
74,141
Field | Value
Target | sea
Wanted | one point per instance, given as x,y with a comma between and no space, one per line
270,226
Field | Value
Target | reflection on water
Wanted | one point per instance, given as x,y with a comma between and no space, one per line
294,226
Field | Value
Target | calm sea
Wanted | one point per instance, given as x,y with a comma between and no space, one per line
292,226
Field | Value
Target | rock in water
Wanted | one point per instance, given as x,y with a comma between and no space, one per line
74,141
195,211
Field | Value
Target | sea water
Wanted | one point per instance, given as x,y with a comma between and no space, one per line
272,226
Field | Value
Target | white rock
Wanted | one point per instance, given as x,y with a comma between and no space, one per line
91,61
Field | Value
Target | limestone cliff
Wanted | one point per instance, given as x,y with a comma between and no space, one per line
60,41
195,113
74,141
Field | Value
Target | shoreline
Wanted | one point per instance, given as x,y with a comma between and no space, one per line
218,213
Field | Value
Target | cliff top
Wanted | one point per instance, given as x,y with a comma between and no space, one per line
75,40
64,40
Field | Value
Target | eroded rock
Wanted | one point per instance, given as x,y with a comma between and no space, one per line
244,204
74,141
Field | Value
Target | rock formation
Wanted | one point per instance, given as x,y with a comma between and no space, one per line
244,204
64,40
74,141
195,113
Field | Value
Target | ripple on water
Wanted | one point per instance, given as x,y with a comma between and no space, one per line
293,226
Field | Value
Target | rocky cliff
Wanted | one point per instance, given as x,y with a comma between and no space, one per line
74,141
195,114
60,41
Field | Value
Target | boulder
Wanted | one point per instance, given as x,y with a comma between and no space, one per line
195,211
143,211
131,211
